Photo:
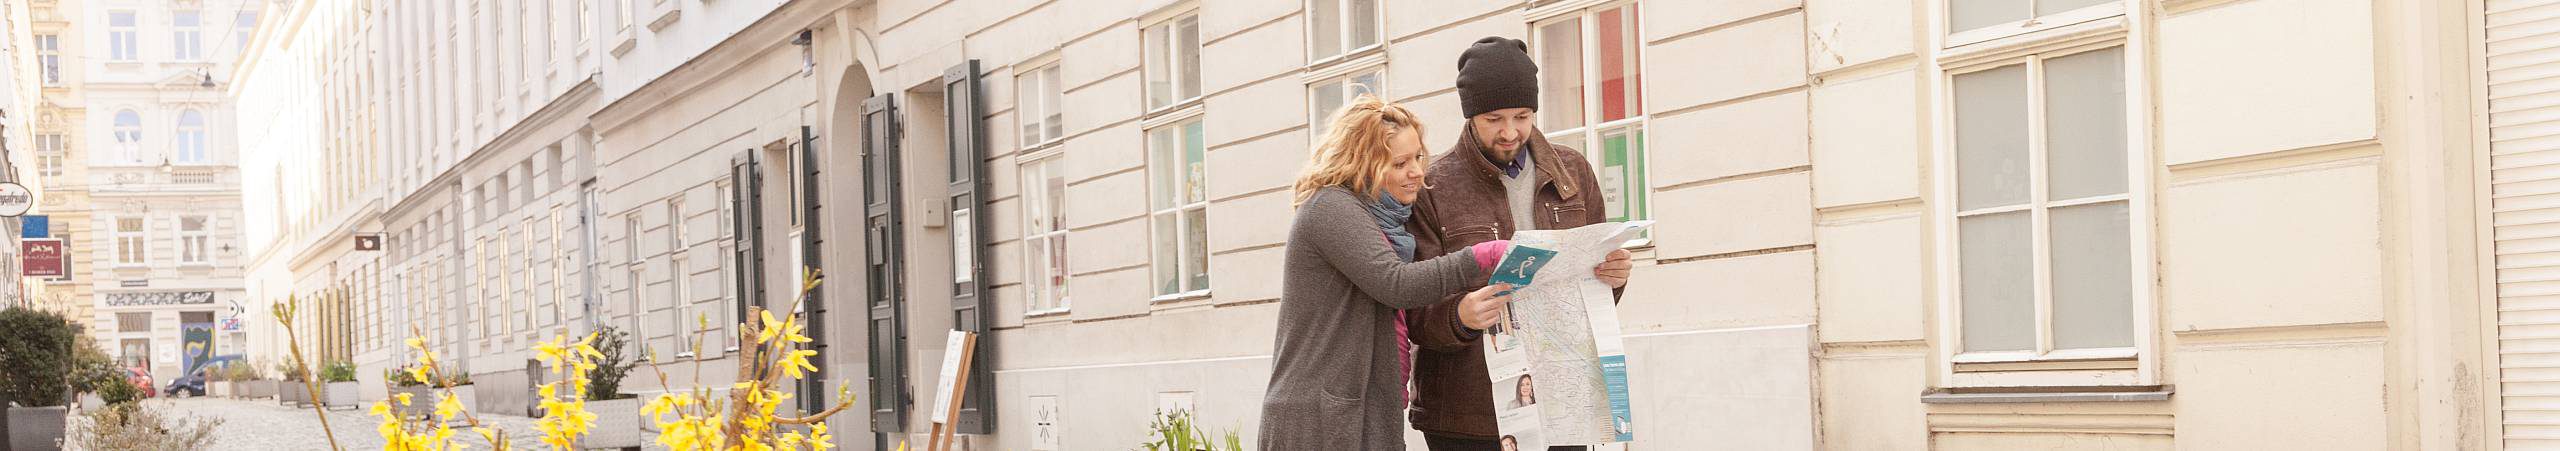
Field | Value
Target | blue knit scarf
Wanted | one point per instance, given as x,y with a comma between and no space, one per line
1390,215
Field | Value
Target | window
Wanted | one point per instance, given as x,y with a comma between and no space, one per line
129,135
49,57
195,240
1593,102
727,245
137,351
586,20
49,155
679,275
191,138
133,322
1038,105
1341,27
1327,97
622,15
242,24
1173,61
1044,234
187,41
631,284
122,45
1179,204
132,240
1971,21
2042,208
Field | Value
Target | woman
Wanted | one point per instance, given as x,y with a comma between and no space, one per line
1339,369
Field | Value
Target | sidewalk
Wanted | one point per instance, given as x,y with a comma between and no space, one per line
262,424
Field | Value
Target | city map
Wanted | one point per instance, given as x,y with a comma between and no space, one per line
1557,363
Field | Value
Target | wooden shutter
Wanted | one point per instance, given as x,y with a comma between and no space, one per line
814,393
884,273
966,123
2524,149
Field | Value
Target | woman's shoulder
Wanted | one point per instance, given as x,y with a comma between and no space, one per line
1329,197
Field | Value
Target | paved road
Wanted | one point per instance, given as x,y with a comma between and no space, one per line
264,425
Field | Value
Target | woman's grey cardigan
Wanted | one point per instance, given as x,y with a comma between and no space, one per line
1336,383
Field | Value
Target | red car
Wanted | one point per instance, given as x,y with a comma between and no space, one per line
140,380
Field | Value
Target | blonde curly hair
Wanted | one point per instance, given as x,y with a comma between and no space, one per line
1354,153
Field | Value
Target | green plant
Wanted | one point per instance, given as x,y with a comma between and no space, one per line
293,372
240,372
605,379
138,427
338,372
1176,431
116,391
32,353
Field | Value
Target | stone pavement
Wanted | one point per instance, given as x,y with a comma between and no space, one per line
261,424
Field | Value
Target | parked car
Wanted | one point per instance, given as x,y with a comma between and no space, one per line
141,381
191,385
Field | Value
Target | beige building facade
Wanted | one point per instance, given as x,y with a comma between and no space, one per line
1882,224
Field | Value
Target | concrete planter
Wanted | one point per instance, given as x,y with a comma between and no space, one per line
256,389
91,401
219,389
36,428
338,394
422,401
292,393
617,425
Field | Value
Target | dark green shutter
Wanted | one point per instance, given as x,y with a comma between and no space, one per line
814,395
965,121
884,273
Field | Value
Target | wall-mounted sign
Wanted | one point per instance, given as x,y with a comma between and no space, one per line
41,257
149,298
35,226
369,242
15,199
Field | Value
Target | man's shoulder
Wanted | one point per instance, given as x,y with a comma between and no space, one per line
1569,157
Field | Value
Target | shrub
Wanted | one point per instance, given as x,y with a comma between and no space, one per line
240,372
116,390
605,379
134,426
292,372
338,372
32,345
1175,431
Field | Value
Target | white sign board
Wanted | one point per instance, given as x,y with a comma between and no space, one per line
953,352
15,199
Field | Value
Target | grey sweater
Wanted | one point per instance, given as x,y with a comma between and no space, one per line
1335,381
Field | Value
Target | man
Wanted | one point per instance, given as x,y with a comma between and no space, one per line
1501,176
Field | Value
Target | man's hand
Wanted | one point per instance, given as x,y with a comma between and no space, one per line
1482,308
1613,271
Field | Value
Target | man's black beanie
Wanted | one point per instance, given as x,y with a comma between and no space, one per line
1495,73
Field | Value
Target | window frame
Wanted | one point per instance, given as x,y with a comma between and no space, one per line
1341,74
197,135
49,59
128,134
186,42
1378,9
2028,27
1170,22
727,245
195,243
2134,366
1175,122
1041,68
1592,126
1036,272
133,247
123,42
679,273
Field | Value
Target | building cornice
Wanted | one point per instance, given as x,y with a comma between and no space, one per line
773,30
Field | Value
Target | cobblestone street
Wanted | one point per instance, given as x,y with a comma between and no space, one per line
261,424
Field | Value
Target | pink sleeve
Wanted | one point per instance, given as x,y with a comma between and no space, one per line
1489,252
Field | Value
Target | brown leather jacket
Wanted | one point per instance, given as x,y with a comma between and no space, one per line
1463,203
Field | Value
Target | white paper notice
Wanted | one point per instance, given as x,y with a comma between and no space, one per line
951,352
1557,363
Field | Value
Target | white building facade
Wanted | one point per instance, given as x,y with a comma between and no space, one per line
160,175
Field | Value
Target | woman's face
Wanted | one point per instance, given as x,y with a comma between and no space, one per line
1404,170
1527,390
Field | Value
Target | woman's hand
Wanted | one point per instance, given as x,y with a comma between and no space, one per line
1482,308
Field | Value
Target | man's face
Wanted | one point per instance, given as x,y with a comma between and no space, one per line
1502,131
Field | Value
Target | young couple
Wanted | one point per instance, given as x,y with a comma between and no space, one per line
1384,257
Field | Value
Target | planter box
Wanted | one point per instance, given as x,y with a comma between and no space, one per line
219,389
91,401
36,428
422,401
292,393
257,389
617,425
338,394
